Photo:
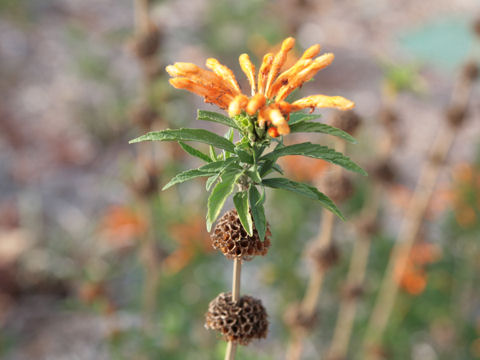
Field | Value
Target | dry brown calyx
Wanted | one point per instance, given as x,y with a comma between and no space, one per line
337,187
232,240
347,121
296,318
238,321
325,257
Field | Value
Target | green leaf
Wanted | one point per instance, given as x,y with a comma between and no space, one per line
301,117
213,155
211,180
244,155
258,212
216,117
194,152
206,170
199,135
312,127
240,200
219,195
318,152
305,190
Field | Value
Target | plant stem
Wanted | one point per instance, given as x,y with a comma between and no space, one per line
355,278
314,289
237,272
412,222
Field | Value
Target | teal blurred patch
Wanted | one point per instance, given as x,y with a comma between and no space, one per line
445,42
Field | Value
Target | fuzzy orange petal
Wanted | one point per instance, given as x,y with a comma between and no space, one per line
278,62
249,69
263,72
238,104
255,103
304,75
224,72
323,101
211,95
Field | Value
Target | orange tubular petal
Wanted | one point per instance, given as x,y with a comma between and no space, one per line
215,96
224,72
263,72
198,75
278,120
238,104
305,75
273,132
262,118
284,78
323,101
255,103
311,52
285,107
278,62
249,69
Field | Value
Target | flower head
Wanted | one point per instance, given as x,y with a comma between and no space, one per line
269,88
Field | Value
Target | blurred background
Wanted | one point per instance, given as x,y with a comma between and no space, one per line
97,263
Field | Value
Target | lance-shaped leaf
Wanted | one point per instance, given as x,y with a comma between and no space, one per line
305,190
313,127
194,152
205,170
200,135
240,200
216,117
318,152
258,212
219,195
301,117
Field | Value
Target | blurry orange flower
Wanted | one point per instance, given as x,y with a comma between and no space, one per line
466,195
413,278
301,168
191,237
269,87
121,225
400,196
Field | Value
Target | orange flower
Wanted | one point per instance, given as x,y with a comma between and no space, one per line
268,93
413,278
121,225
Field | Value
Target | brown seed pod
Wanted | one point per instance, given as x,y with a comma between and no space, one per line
337,188
388,117
456,114
368,227
383,171
476,27
143,116
146,45
353,292
232,240
296,318
470,70
347,121
326,257
240,321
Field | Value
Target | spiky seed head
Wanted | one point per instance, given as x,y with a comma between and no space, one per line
232,240
337,188
238,321
347,121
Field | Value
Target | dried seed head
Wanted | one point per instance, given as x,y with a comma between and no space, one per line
143,116
384,172
296,319
476,27
326,257
368,227
232,240
337,188
388,117
470,70
456,114
146,183
347,121
353,292
146,45
240,321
